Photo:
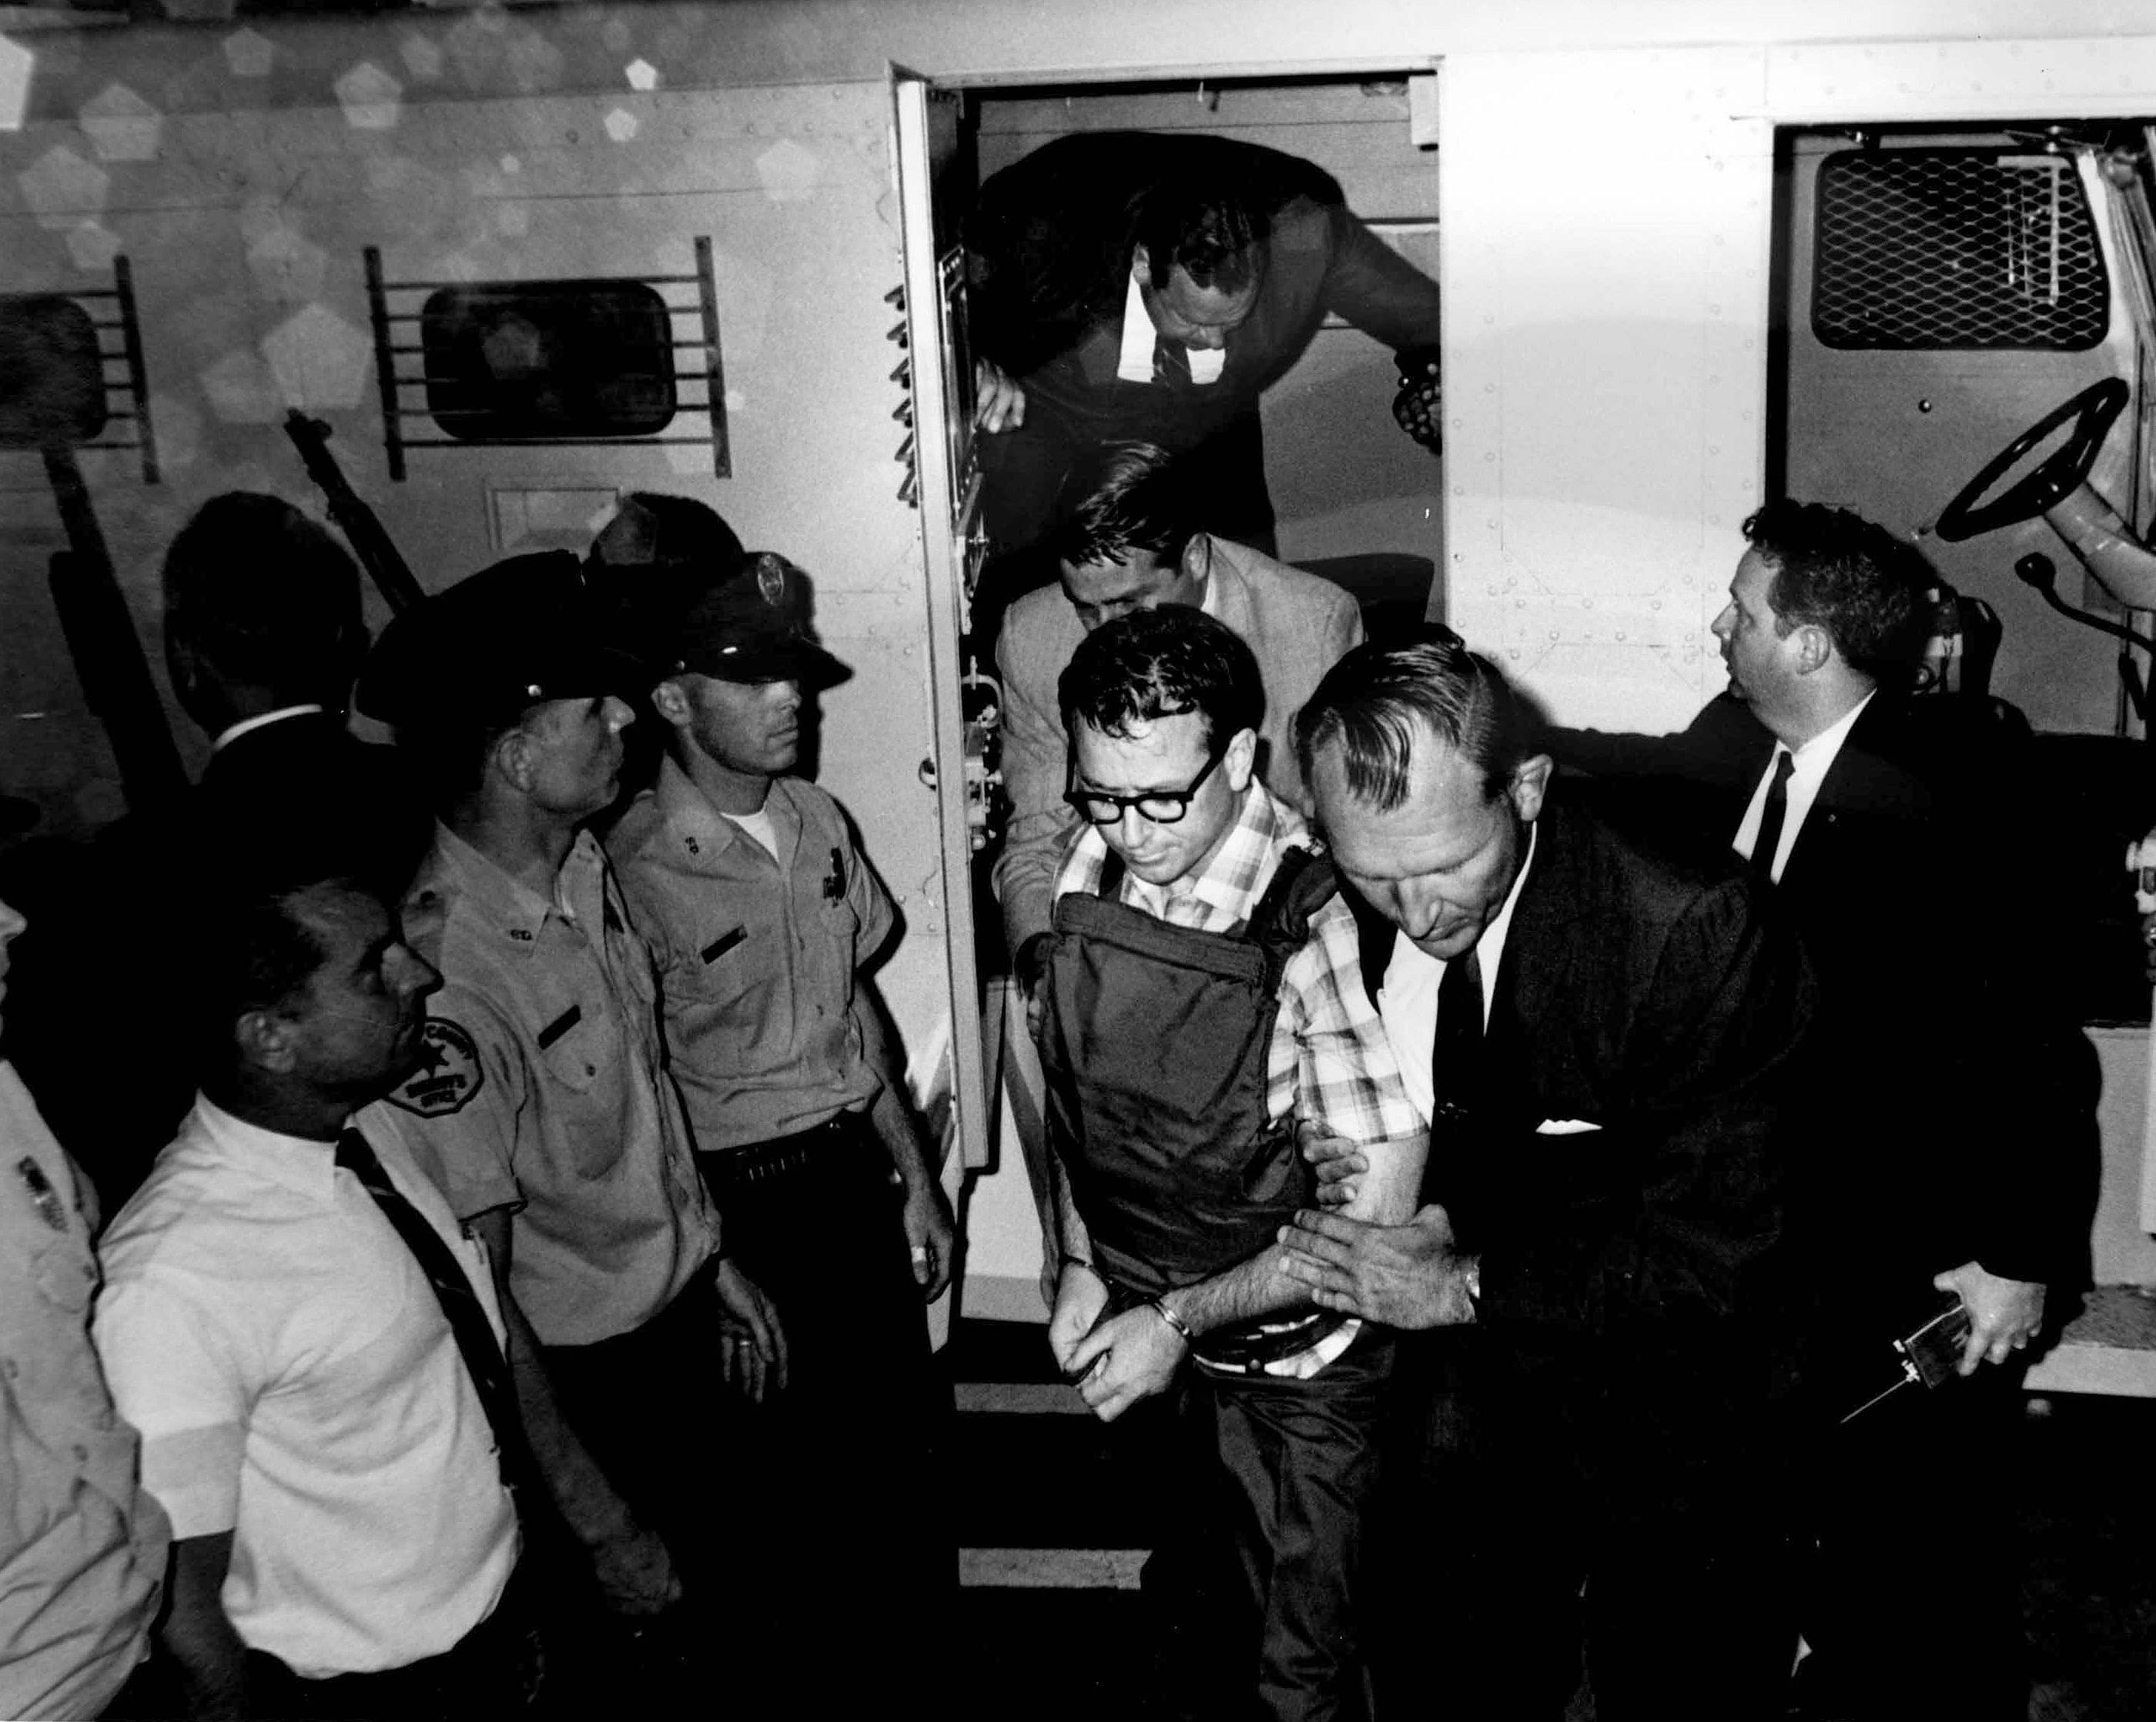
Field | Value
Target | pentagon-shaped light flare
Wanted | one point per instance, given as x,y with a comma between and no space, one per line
120,126
422,56
61,188
288,266
621,125
249,53
15,63
93,246
240,389
319,360
643,75
369,96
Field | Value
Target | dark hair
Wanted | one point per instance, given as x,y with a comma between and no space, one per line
1122,498
266,597
1836,570
1157,664
254,947
1185,220
1378,700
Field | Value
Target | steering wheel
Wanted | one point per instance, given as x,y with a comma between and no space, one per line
2093,411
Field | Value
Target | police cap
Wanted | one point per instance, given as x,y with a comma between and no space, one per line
484,651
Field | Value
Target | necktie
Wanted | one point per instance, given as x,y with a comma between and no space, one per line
1771,816
461,1304
1455,1054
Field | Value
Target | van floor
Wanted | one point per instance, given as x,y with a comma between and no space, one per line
1053,1508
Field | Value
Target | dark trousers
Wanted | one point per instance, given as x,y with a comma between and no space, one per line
651,1408
1540,1506
1300,1460
1911,1605
837,1494
496,1669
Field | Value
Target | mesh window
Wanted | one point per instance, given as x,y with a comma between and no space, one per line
1955,249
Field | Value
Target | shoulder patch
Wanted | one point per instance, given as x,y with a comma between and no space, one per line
448,1074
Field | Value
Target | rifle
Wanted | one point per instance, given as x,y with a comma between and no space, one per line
108,655
376,549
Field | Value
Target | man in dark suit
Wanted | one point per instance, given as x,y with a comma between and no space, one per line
1950,1156
263,636
1609,1037
1150,287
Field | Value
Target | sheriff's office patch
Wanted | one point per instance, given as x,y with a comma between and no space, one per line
449,1072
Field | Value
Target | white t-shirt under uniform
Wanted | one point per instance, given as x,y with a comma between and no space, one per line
297,1384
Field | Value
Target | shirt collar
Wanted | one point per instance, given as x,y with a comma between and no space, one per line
698,825
233,732
1233,879
1134,362
1816,755
1490,946
520,911
298,1163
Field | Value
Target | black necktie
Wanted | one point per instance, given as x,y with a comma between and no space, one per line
461,1304
1455,1054
1771,816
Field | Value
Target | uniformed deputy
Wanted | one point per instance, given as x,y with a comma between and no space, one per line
542,1106
762,914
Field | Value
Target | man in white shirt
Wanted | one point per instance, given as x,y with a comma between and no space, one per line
312,1346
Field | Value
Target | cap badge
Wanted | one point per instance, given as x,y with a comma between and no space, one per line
771,579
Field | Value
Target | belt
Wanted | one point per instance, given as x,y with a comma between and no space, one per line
758,1162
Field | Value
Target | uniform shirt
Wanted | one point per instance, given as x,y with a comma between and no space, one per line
1329,1060
543,1090
297,1384
758,955
82,1548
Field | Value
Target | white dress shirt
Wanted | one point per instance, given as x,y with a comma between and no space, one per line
1408,999
297,1384
1134,363
1812,761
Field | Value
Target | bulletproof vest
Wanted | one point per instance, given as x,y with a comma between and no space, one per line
1155,1044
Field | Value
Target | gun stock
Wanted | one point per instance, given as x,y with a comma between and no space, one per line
369,541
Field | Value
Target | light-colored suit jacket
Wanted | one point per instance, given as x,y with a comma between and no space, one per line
1295,624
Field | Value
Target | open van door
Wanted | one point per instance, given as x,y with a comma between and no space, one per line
943,484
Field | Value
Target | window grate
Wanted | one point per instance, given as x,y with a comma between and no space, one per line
1955,248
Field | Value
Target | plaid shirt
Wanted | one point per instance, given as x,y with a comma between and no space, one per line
1329,1060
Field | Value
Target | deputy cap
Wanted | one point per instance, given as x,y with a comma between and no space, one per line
484,650
752,627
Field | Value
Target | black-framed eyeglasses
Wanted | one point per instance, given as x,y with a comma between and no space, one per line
1163,806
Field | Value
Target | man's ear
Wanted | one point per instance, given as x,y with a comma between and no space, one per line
266,1041
1238,760
1530,784
670,700
1197,558
1814,647
1141,265
512,755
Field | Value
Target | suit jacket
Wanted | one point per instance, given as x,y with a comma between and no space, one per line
104,1001
1953,1118
1295,624
1051,247
1662,1004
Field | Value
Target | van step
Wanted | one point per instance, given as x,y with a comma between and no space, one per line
2109,1348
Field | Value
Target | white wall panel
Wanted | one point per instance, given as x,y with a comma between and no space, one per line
1605,240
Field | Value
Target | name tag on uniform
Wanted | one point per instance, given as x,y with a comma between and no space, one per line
721,945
